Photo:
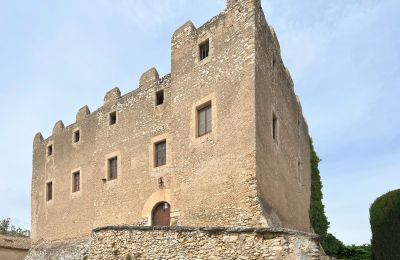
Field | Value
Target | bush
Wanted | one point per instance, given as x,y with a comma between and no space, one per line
385,226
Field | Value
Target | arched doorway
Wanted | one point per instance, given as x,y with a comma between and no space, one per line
161,214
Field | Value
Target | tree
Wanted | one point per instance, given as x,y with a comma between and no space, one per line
319,222
6,228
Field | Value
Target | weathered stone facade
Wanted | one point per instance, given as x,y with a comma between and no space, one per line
251,170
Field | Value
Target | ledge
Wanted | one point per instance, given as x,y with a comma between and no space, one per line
211,230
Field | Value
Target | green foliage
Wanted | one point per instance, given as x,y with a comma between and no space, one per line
356,252
385,226
6,228
331,245
318,219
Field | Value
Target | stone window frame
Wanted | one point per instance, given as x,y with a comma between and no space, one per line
105,178
164,156
51,201
194,120
157,170
76,130
199,109
299,176
275,128
196,48
156,97
50,146
73,193
110,115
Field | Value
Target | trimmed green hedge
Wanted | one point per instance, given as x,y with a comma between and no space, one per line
385,226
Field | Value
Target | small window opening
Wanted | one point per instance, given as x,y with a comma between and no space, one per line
76,181
274,127
204,120
112,168
159,97
299,178
160,153
49,191
77,136
50,150
113,118
204,49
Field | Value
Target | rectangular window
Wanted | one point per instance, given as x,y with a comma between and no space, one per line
274,127
50,150
76,181
204,49
204,124
49,191
113,118
159,97
112,168
77,136
160,153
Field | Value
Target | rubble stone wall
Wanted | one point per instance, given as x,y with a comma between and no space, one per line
202,243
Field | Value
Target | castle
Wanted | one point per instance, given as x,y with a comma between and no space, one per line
219,142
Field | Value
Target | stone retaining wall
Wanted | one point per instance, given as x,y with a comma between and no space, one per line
125,242
67,250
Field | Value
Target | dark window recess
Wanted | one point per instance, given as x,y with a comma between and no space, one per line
112,168
49,191
204,124
76,181
49,150
274,127
204,49
77,136
159,97
113,118
160,154
299,171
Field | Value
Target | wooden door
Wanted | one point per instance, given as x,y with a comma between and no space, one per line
161,214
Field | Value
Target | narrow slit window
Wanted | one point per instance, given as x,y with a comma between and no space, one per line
299,177
204,124
77,136
159,97
274,127
204,49
160,153
113,118
76,181
112,168
50,150
49,191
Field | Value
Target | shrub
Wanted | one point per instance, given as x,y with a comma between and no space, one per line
385,226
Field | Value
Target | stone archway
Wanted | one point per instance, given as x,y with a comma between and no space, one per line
161,215
162,195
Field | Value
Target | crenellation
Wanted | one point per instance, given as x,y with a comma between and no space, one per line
149,78
38,139
187,30
112,95
58,127
82,113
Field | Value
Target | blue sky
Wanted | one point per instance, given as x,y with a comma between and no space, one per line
344,57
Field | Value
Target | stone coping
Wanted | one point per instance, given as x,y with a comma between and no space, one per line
211,230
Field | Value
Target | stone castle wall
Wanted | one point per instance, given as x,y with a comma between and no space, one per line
225,178
202,243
